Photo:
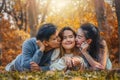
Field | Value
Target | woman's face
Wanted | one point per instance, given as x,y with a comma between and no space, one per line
68,41
80,38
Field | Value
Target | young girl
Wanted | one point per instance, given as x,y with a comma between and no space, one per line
93,48
67,57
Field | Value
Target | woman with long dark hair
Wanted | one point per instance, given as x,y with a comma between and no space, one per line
93,47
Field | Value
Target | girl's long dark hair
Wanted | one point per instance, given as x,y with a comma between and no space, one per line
91,32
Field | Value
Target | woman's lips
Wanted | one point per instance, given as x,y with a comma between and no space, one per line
68,43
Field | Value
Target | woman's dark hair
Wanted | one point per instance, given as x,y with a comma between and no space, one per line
91,32
75,49
45,31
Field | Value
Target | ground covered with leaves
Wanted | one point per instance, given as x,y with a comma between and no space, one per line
69,75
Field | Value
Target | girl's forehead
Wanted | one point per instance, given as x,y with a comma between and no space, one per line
67,31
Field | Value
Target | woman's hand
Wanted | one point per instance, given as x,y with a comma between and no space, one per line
41,45
98,66
84,47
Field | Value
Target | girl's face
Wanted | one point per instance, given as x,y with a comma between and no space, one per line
68,41
80,38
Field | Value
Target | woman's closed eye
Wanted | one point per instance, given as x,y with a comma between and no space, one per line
79,36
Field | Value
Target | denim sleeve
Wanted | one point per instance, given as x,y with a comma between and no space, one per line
29,55
45,68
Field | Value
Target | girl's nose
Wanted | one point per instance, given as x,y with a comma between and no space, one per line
68,39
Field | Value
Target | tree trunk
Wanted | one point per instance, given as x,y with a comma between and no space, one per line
101,15
117,6
2,6
45,11
20,18
101,18
32,17
0,50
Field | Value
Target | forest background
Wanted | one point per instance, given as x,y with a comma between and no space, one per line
20,20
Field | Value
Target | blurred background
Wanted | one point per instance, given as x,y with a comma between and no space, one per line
20,20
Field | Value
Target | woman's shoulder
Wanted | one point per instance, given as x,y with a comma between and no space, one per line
103,43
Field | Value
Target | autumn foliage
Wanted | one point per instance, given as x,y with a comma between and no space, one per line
12,40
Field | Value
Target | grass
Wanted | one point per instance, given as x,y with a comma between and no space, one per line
70,75
60,75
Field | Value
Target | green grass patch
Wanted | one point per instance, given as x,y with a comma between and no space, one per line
70,75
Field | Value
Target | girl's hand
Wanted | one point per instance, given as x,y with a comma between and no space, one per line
41,45
68,61
75,61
